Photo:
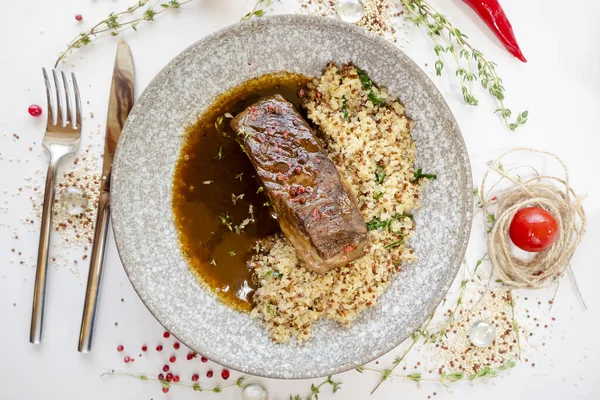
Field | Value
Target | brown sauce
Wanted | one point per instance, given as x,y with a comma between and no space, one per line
205,212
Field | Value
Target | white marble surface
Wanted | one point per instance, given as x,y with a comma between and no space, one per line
560,86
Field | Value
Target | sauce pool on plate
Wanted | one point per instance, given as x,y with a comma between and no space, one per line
219,206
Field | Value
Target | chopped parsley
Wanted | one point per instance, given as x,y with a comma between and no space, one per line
239,176
376,223
364,78
379,174
419,174
398,243
259,190
228,115
232,253
367,84
378,196
374,99
213,262
345,108
267,204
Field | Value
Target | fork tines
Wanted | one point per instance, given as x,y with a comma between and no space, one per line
62,100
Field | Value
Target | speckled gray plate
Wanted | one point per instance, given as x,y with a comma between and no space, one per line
143,171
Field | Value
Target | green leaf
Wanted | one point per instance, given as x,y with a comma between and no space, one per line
364,78
376,223
379,174
415,377
439,65
217,389
419,174
345,109
398,243
374,99
197,387
149,14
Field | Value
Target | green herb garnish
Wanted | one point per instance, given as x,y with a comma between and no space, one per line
364,79
219,153
374,99
232,253
226,220
379,174
419,174
213,262
398,243
376,223
345,108
367,84
239,176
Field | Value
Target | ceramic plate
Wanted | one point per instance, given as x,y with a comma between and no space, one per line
143,220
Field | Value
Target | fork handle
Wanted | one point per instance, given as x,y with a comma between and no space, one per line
95,275
39,290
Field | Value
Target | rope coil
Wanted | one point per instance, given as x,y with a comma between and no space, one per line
553,194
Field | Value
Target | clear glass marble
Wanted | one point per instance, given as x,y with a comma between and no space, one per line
350,10
482,334
73,200
255,392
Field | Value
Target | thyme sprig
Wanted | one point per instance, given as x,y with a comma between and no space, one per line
166,384
316,389
116,23
449,40
446,378
257,11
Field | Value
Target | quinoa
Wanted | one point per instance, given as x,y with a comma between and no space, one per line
368,138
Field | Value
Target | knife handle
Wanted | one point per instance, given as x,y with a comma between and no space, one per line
39,290
95,275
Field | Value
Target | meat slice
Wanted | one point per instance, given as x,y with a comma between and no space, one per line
315,208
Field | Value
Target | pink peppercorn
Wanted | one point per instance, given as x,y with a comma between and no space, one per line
209,374
176,378
165,390
169,377
225,374
176,346
35,110
166,335
120,348
166,368
172,359
195,378
78,17
204,359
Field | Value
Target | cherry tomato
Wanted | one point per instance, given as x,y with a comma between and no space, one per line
533,229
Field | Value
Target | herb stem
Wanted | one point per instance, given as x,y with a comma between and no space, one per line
115,27
165,383
423,14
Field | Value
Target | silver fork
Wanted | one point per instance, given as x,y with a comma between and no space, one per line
63,134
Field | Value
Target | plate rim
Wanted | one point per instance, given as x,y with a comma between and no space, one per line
428,85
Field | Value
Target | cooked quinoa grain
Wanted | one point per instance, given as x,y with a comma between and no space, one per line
368,138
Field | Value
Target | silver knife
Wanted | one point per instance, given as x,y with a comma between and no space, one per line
119,105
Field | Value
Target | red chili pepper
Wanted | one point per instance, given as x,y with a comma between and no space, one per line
494,17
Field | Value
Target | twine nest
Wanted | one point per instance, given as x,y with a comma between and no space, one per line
553,194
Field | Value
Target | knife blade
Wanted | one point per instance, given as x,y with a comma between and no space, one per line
119,105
